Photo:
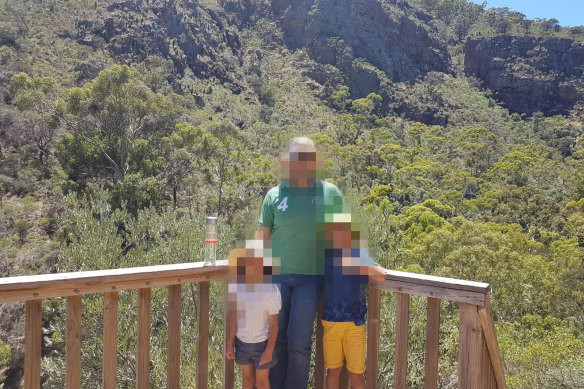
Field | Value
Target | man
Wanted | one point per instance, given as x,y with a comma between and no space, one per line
289,218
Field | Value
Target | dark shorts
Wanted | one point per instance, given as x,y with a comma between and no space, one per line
251,353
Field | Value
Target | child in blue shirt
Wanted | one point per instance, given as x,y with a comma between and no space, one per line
348,270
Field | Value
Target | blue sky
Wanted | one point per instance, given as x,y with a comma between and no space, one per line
568,12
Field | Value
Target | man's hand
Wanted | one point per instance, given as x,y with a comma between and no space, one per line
229,354
266,357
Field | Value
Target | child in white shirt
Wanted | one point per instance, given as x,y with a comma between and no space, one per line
252,317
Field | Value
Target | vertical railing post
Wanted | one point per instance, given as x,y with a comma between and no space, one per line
401,341
486,319
110,340
203,335
373,325
173,361
228,364
432,343
143,343
474,364
73,346
32,344
319,370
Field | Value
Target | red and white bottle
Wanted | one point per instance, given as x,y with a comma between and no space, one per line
211,242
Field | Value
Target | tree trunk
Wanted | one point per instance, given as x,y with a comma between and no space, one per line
221,178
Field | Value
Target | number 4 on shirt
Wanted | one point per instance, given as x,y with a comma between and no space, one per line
283,206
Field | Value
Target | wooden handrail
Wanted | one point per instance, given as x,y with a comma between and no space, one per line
44,286
480,364
436,287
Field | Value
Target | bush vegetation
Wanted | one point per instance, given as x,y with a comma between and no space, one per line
110,165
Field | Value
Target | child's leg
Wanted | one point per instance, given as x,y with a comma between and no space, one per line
262,378
357,381
248,373
333,377
354,346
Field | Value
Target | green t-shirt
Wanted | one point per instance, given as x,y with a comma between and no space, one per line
293,215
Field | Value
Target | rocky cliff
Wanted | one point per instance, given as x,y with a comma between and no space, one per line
370,43
529,74
194,36
338,32
352,35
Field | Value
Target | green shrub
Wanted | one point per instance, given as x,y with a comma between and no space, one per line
22,226
4,359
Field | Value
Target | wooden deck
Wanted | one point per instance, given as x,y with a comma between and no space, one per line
479,366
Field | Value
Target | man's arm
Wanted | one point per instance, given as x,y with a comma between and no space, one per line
272,335
231,330
263,233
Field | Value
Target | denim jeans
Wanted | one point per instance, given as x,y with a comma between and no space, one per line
300,296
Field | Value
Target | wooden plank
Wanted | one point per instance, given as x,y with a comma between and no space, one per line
401,341
432,344
442,282
373,325
439,292
143,343
228,364
319,370
24,288
486,374
73,346
14,289
174,327
32,344
469,348
486,318
203,335
110,340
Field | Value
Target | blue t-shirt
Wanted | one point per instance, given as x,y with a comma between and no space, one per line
345,293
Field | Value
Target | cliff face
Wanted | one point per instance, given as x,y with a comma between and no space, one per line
337,32
529,74
203,37
196,38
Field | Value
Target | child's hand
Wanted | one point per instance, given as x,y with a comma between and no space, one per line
229,354
266,358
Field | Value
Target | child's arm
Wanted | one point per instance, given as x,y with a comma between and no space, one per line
272,335
375,273
368,267
231,330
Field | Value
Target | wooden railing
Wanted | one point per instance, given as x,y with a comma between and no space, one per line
480,364
479,361
33,289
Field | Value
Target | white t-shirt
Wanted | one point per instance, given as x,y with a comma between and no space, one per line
255,302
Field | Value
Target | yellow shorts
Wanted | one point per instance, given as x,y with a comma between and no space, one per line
342,341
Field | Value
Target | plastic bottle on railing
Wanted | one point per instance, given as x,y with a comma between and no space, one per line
211,242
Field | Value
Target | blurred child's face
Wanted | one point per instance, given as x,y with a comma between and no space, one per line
342,239
254,270
338,235
253,264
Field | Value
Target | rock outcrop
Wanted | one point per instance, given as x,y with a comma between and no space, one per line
193,36
340,32
529,74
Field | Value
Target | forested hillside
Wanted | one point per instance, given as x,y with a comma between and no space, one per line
455,132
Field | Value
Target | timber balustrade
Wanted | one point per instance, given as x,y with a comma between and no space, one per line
479,366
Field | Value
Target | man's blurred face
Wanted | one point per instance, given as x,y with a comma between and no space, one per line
301,164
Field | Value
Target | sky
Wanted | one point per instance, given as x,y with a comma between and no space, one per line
569,12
